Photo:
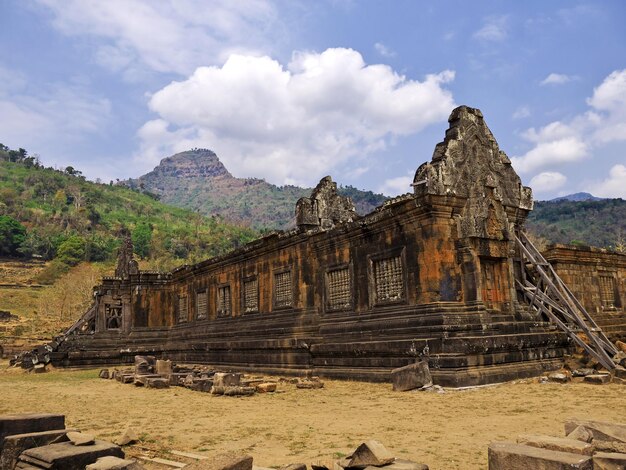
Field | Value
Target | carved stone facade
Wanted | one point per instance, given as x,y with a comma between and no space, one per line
429,274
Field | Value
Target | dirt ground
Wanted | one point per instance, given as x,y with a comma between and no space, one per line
446,431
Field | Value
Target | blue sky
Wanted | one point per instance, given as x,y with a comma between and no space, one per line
293,90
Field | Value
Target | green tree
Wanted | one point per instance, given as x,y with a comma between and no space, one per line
142,236
72,250
12,235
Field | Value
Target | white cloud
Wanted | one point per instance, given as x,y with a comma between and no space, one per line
293,124
614,185
384,50
521,112
52,116
494,29
167,36
394,186
557,79
555,143
584,135
547,181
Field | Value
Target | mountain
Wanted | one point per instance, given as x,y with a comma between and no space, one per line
599,223
199,181
577,197
54,214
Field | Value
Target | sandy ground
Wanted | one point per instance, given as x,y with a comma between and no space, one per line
446,431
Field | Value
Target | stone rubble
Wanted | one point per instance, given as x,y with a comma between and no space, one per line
32,441
588,445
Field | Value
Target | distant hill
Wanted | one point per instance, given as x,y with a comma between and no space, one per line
57,214
599,222
577,197
198,180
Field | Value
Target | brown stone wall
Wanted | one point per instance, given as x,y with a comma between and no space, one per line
598,279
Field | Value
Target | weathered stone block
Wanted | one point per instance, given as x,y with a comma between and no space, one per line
561,444
511,456
104,374
600,430
265,387
581,434
371,453
222,379
80,438
114,463
559,377
598,379
127,437
66,456
411,377
157,382
163,367
16,444
235,391
310,384
29,422
400,464
609,461
223,462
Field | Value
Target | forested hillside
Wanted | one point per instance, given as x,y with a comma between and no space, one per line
56,214
593,222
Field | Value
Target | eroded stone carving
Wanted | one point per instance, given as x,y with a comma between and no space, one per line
126,264
469,164
325,208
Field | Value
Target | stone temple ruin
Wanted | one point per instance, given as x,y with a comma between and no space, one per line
442,275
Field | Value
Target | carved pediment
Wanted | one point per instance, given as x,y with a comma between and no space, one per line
325,208
469,164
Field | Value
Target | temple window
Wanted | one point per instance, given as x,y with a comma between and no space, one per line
182,309
388,279
283,296
607,292
251,295
224,306
338,289
202,304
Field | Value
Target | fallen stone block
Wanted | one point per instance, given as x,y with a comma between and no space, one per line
236,391
265,387
66,456
217,390
201,385
39,368
114,463
309,384
411,377
127,437
294,466
400,464
29,422
561,444
80,438
620,358
223,462
163,367
145,364
598,379
584,372
371,453
619,372
511,456
18,443
104,374
600,430
157,382
581,434
141,380
609,461
127,378
621,346
222,379
609,446
559,377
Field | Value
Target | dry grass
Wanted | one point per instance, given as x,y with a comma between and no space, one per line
446,431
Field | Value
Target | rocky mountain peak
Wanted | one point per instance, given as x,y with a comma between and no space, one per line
192,164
